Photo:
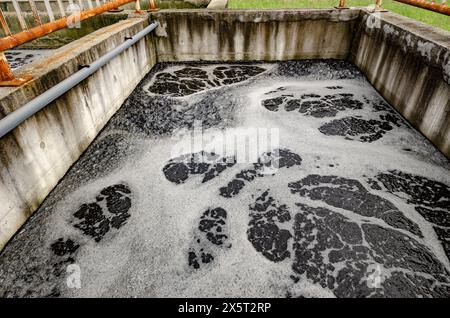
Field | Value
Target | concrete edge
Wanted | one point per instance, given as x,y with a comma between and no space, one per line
266,15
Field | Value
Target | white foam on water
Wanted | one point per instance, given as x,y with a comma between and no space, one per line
148,255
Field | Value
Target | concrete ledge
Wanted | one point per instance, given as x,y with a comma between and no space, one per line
409,64
37,154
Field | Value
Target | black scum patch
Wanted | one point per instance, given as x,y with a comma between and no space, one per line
210,236
190,80
351,195
430,198
156,116
209,165
94,220
328,228
330,105
263,230
328,248
267,164
353,128
314,105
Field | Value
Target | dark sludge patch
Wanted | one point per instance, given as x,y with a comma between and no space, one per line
190,79
349,259
236,74
416,189
161,115
211,235
109,211
267,164
364,130
329,69
18,59
314,105
323,240
264,231
431,199
351,195
212,223
65,250
210,165
42,274
62,248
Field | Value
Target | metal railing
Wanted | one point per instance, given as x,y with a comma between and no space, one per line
343,6
75,12
12,120
439,6
429,5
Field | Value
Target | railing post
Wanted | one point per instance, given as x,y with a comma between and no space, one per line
341,5
4,24
5,71
138,7
22,22
7,77
153,6
378,5
34,10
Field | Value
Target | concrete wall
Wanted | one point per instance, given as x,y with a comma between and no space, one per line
409,64
236,35
37,154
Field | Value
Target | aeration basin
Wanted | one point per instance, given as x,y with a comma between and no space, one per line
257,154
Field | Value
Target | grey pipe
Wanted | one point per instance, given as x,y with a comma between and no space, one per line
18,116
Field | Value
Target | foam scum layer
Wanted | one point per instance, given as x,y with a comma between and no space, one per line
344,199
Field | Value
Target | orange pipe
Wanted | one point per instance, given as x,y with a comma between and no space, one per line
153,6
31,34
5,72
440,8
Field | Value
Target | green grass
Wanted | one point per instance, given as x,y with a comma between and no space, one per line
422,15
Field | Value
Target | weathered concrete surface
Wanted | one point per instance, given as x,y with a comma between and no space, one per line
409,64
35,155
218,4
340,198
242,35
